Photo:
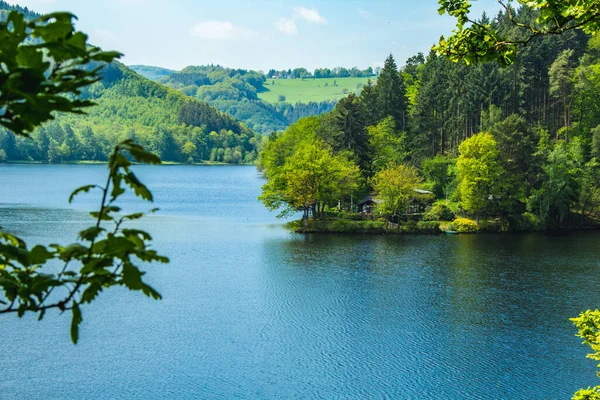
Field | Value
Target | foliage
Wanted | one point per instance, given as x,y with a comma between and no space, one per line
438,172
463,225
439,212
390,92
386,145
588,327
395,186
553,201
338,226
478,41
479,172
42,62
428,227
313,174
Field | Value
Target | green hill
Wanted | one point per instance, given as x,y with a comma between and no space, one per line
166,121
307,90
238,93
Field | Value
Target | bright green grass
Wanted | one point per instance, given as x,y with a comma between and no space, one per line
304,91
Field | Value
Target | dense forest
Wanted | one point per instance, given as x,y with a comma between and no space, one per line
518,144
176,127
235,91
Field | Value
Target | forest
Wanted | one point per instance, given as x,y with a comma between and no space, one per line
514,145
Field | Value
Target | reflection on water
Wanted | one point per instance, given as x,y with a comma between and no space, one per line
253,311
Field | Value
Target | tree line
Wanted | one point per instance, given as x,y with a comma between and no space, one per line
339,72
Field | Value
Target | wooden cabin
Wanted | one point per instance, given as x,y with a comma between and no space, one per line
367,205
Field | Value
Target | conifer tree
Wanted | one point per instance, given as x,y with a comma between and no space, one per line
390,91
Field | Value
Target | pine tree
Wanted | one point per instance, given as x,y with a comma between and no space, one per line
368,98
391,93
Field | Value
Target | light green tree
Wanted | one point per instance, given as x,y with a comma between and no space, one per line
386,145
190,149
312,176
479,172
395,186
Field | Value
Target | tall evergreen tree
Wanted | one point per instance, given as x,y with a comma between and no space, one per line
391,93
368,98
350,129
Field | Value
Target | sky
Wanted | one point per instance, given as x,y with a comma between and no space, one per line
260,34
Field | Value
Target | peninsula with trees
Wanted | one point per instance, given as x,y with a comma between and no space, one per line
505,144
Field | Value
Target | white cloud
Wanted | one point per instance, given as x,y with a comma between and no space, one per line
365,13
221,30
286,25
309,15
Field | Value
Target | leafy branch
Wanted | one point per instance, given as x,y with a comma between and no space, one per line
106,255
475,42
44,65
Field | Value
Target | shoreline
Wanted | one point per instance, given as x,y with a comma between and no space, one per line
370,227
168,163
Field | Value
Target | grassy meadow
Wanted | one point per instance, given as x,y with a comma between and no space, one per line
304,91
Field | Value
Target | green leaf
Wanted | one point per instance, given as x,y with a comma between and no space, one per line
39,255
91,292
83,189
132,277
75,321
91,233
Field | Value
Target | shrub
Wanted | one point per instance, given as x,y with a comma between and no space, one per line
409,227
439,212
464,225
352,216
428,227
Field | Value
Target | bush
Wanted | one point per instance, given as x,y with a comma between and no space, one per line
464,225
439,212
281,98
352,216
428,227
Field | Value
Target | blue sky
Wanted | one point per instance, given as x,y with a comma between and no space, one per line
260,34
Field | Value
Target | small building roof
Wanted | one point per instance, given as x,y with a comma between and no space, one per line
368,199
422,191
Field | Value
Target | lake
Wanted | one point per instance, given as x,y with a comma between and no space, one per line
251,310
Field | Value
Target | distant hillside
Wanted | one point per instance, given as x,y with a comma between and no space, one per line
152,73
177,127
237,92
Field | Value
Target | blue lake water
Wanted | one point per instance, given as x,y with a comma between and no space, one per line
251,310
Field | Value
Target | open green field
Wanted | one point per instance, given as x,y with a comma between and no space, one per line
304,91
